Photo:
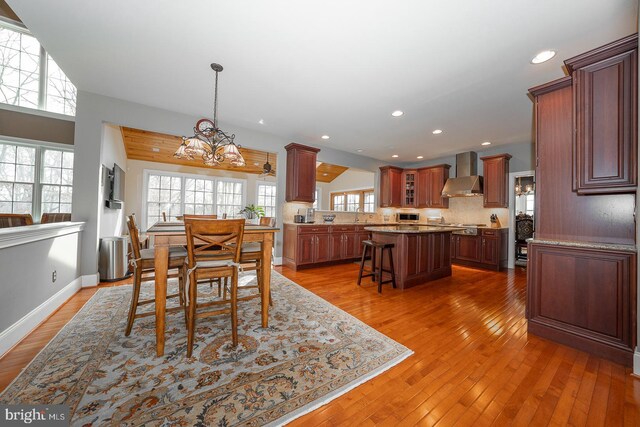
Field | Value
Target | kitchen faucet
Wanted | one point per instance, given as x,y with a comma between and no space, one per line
357,211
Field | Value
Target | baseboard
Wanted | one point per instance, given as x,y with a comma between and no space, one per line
16,332
90,280
636,362
277,260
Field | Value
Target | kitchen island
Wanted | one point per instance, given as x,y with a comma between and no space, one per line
420,253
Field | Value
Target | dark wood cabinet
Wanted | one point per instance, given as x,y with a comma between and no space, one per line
323,248
301,173
430,182
488,249
409,188
584,298
605,118
306,248
496,174
391,191
467,248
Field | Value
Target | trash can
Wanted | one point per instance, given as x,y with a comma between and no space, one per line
112,261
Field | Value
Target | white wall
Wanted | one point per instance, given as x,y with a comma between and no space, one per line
112,152
351,179
135,182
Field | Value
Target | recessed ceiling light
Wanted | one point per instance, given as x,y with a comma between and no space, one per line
543,56
325,174
486,143
420,157
261,121
437,132
359,150
256,164
397,113
325,137
395,156
155,149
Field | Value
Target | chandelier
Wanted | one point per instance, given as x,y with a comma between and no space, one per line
523,191
209,142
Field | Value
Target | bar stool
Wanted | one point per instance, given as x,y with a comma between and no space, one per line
376,271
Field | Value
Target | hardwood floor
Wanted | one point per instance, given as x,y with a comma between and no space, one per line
474,363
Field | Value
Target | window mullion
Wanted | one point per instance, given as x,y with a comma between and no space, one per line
42,84
37,186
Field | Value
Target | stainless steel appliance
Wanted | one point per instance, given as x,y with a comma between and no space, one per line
467,182
411,218
112,260
309,216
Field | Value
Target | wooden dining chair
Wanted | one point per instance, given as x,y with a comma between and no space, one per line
269,221
213,251
143,261
164,217
48,218
192,216
15,220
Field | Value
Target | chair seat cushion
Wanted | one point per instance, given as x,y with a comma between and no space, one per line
251,247
174,252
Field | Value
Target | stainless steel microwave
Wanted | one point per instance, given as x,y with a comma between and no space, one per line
407,217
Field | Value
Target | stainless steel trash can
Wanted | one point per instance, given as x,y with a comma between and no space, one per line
112,261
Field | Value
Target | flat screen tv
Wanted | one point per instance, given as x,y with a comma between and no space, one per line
116,195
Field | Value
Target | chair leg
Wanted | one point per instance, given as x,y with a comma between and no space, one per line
234,307
373,263
191,320
181,286
137,281
379,271
393,270
364,256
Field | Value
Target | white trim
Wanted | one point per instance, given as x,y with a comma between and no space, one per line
36,112
15,236
36,143
23,327
512,215
636,362
277,260
90,280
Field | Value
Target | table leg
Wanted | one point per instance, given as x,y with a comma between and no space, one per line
267,248
161,269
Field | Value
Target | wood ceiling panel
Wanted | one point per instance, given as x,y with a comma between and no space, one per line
140,145
326,172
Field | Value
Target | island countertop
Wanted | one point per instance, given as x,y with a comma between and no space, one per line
412,229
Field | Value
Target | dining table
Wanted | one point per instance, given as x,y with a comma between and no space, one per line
172,233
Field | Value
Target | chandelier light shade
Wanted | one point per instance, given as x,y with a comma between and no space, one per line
523,191
209,142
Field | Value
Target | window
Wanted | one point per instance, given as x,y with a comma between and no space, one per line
24,64
229,197
353,202
337,202
35,179
529,200
267,198
198,196
56,180
369,202
163,195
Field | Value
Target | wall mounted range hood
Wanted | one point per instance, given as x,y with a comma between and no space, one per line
467,182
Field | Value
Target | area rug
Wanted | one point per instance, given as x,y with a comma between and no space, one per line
311,353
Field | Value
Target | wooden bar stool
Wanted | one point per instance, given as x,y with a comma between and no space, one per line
377,270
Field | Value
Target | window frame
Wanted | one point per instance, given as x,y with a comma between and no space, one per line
361,194
43,76
271,184
40,146
183,176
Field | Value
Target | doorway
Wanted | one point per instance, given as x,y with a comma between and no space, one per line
522,189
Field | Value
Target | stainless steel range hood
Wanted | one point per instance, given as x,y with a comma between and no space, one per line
467,182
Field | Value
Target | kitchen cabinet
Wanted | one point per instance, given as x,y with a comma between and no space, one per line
391,183
409,184
488,249
430,182
584,298
301,173
496,174
605,116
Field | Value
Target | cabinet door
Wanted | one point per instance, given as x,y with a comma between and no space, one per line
423,190
323,248
390,187
438,177
409,180
301,173
489,251
467,248
336,242
605,117
361,237
496,171
350,245
306,248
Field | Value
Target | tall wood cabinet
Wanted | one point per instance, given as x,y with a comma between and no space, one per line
581,276
391,187
496,174
301,173
431,181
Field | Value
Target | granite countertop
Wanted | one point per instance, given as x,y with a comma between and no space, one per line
412,229
586,245
341,223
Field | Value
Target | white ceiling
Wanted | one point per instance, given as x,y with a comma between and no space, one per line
309,68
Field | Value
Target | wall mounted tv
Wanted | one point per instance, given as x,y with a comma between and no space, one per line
116,186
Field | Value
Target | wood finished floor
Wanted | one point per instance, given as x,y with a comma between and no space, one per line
474,363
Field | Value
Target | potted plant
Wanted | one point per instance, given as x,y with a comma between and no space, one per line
252,211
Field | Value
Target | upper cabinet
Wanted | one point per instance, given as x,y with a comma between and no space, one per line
391,183
605,118
496,173
409,188
301,173
431,181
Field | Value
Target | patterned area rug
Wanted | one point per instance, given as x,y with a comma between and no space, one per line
311,353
